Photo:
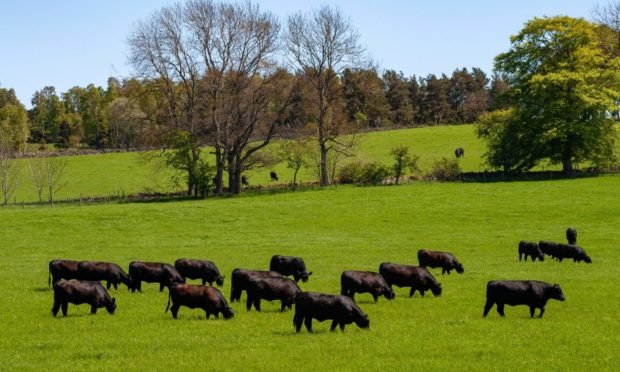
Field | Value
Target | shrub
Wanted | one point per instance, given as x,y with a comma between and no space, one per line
445,170
350,172
373,173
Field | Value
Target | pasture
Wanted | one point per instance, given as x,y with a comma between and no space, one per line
333,230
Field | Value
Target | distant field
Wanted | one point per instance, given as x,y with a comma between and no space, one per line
128,173
333,229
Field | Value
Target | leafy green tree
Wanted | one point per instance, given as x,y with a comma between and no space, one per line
397,95
45,115
402,161
295,153
563,88
14,129
365,97
437,103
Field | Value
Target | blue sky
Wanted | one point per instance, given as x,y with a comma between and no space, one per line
65,43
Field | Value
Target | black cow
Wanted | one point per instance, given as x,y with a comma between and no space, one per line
352,282
209,299
273,175
270,289
62,269
244,180
81,292
532,293
416,277
153,272
287,266
240,278
548,248
445,260
98,271
199,269
530,249
575,252
571,236
341,309
459,152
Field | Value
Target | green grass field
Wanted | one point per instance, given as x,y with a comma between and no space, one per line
333,229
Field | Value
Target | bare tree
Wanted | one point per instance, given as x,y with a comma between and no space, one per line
36,168
295,153
55,168
322,44
9,173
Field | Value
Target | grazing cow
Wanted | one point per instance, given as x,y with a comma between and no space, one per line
459,152
341,309
548,248
530,249
416,277
81,292
62,269
209,299
575,252
244,180
287,266
273,175
199,269
98,271
240,278
353,282
445,260
270,289
153,272
532,293
571,236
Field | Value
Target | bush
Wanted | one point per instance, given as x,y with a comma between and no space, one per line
445,170
350,172
373,173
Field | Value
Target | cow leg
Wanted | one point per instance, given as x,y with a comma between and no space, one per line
342,326
115,285
334,325
93,309
207,314
64,306
248,303
257,303
297,320
521,255
421,292
282,306
204,281
55,308
308,323
542,310
343,291
411,291
500,308
375,297
161,287
174,309
108,285
443,271
532,309
487,307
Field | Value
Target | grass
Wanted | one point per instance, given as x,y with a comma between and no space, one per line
333,229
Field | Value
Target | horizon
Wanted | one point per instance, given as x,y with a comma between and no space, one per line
76,50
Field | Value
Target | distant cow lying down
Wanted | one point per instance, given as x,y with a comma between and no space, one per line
209,299
532,293
81,292
341,309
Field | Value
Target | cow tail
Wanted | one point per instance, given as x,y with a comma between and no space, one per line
168,306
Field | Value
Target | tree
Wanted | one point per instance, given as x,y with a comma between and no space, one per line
364,93
127,123
436,101
322,44
294,152
36,168
608,17
398,97
45,115
563,88
14,128
9,173
403,160
54,171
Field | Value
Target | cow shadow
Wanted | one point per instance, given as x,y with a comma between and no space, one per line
293,333
41,289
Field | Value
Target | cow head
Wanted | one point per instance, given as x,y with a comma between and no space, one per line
459,268
436,289
555,292
228,312
304,276
389,293
362,321
110,305
585,257
220,280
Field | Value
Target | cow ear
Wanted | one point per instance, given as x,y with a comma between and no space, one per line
223,276
113,300
310,273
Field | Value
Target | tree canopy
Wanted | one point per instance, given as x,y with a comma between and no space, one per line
563,89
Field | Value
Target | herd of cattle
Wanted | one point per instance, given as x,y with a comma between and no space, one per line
79,282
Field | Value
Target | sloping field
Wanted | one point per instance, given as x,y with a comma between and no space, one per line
334,229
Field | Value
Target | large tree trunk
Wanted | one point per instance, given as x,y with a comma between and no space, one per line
219,164
324,178
567,166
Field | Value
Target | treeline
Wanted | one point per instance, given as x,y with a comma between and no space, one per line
132,113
